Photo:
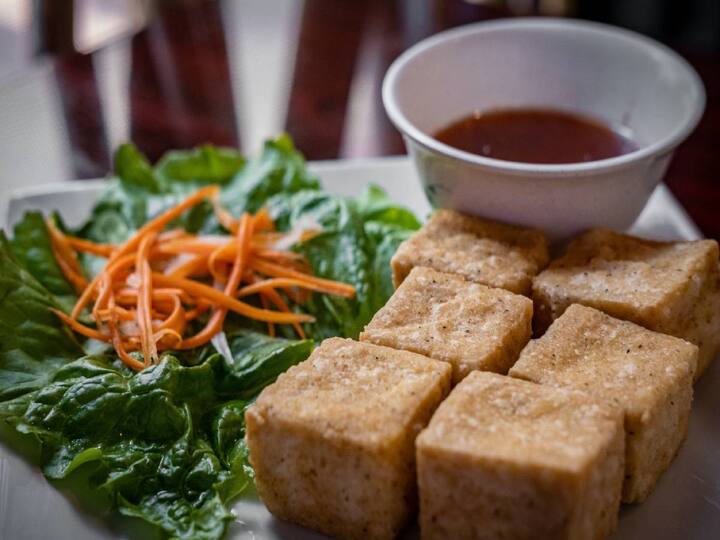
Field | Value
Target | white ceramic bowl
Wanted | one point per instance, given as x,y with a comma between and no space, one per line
634,84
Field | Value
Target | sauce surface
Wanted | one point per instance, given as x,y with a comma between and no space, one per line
535,136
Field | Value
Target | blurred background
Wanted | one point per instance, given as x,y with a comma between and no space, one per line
78,77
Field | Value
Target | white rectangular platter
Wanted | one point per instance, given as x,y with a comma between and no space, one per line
685,505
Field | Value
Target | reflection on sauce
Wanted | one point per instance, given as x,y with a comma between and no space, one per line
535,136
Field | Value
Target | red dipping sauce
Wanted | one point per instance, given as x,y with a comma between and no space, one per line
535,136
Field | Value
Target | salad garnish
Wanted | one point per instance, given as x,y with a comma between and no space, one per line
158,281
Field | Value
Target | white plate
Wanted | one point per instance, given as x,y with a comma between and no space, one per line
686,503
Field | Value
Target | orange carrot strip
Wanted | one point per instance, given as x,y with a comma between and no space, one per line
192,267
120,312
245,230
167,332
103,295
215,296
279,255
155,225
198,310
275,270
266,304
87,246
214,324
126,295
223,216
79,327
76,280
65,258
172,234
194,244
176,320
212,264
263,221
281,283
60,243
118,344
158,223
144,318
276,299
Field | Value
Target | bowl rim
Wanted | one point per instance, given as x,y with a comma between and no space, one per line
659,147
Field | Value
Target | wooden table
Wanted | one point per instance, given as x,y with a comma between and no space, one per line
180,84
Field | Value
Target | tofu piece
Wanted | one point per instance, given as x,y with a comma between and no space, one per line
487,252
648,374
663,286
702,326
505,458
332,440
445,317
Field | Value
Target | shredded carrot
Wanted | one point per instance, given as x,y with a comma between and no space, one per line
65,257
281,283
265,303
150,288
221,299
194,313
273,296
263,221
274,270
144,318
223,216
86,246
118,342
79,327
214,325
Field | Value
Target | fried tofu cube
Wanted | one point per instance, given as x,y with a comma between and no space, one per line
487,252
669,287
647,374
332,440
505,458
702,326
445,317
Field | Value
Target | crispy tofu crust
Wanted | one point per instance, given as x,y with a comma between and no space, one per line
702,326
443,316
647,374
487,252
332,440
505,458
669,287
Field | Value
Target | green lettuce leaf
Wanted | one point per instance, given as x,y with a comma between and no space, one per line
359,236
166,444
33,342
278,169
31,246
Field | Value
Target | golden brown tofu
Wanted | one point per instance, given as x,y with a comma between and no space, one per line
443,316
332,440
659,285
702,326
648,374
487,252
505,458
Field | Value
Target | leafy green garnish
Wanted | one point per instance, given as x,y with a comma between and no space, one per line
359,236
33,342
31,246
167,444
